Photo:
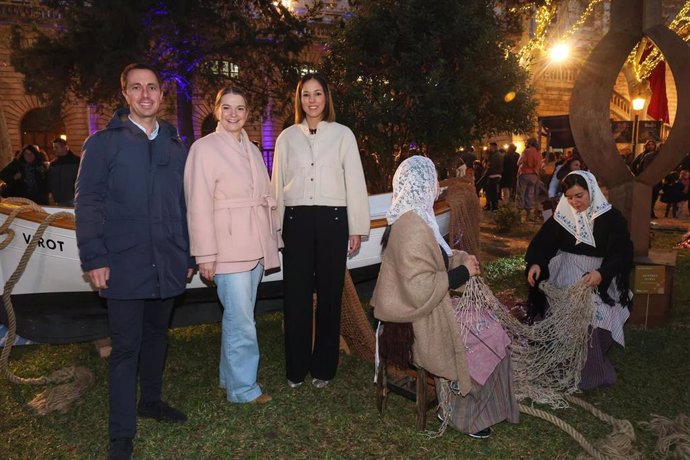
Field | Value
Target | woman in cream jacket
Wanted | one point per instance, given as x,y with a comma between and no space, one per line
233,230
322,198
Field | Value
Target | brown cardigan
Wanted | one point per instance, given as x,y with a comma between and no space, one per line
413,287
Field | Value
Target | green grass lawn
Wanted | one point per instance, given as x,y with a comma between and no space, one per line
341,420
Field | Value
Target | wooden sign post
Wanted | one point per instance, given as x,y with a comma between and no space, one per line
649,280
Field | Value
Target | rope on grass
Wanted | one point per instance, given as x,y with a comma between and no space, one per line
71,382
673,435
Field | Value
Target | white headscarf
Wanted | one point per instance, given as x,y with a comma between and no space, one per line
580,224
415,189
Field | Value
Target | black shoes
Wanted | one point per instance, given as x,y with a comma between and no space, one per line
160,411
120,449
485,433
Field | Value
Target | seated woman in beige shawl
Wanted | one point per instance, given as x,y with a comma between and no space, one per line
468,355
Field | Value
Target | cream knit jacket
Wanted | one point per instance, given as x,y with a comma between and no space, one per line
323,169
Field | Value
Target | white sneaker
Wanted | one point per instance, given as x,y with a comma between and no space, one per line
318,383
292,384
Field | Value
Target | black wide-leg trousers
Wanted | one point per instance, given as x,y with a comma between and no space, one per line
314,260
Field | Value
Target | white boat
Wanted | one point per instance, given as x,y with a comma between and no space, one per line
54,301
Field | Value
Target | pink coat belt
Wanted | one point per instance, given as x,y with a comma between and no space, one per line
266,201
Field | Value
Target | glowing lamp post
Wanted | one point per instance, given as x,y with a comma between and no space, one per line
638,104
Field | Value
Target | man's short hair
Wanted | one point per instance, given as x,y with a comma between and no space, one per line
61,141
136,66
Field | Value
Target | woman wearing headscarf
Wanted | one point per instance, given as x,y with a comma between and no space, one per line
586,238
233,232
322,197
417,270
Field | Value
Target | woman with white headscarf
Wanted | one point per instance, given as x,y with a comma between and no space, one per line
411,296
586,238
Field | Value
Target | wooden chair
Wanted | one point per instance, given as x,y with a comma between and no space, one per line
415,384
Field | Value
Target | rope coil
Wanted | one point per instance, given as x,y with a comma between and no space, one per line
72,382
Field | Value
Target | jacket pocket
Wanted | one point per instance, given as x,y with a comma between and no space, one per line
294,187
331,182
120,243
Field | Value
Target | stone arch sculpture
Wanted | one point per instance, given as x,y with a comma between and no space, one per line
589,110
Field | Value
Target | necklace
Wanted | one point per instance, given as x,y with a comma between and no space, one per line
312,131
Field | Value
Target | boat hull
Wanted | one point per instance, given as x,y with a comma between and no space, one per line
55,303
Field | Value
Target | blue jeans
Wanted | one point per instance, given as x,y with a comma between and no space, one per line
239,348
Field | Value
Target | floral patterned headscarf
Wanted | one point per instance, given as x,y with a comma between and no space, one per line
580,224
415,189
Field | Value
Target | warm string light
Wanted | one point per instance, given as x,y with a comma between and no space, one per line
680,25
543,17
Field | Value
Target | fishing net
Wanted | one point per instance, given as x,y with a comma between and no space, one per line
547,356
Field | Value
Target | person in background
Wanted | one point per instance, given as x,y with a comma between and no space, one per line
479,177
27,176
461,167
493,177
571,164
131,230
685,180
319,185
586,239
412,299
62,174
529,168
509,176
671,193
234,235
641,163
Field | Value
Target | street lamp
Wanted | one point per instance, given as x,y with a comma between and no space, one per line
638,104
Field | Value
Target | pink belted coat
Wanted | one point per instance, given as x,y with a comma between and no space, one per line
231,210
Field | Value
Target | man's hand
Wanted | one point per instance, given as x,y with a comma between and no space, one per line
190,273
533,274
354,244
99,277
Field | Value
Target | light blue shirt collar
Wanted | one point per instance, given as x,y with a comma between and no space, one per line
153,134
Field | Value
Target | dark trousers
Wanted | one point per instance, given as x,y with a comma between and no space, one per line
492,193
314,259
139,334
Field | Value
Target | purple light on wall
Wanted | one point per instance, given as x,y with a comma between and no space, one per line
92,119
267,142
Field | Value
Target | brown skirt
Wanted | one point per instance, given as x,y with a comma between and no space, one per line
487,404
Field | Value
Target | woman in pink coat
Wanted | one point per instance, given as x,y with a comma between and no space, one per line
234,235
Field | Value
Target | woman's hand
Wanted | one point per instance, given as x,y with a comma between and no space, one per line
592,279
354,244
471,264
207,270
533,274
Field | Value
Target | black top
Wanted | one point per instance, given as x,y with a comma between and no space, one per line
457,276
613,244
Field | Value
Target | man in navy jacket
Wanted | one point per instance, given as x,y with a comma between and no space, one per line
133,245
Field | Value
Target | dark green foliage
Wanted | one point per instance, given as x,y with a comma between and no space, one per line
412,76
507,217
88,48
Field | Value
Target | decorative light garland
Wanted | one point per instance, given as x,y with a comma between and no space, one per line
545,14
543,17
680,25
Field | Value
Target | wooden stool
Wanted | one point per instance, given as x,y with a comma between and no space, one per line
414,385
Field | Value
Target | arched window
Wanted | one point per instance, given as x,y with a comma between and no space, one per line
208,125
40,126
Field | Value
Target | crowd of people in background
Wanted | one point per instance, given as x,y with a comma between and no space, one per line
30,175
531,179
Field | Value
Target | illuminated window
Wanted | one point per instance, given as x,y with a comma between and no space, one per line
225,68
